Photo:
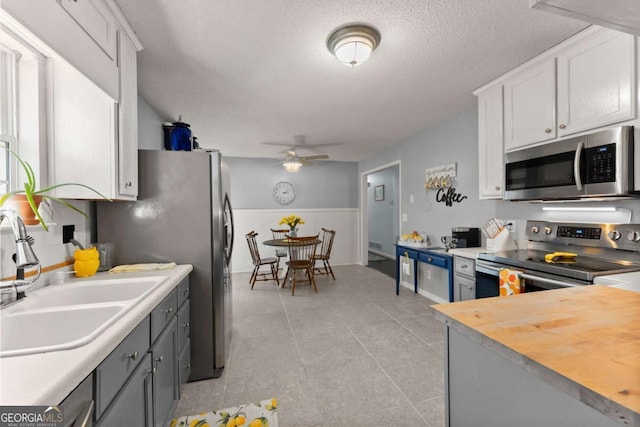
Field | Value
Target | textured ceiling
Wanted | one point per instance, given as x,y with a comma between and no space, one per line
246,72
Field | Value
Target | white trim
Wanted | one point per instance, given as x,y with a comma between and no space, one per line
290,210
424,293
364,229
123,24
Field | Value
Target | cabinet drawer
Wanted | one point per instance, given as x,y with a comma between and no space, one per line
466,288
407,253
434,260
183,325
465,266
184,364
183,291
112,373
132,407
163,313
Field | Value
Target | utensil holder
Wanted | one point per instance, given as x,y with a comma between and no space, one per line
502,242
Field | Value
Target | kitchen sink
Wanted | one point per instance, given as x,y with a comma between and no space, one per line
91,292
69,315
29,332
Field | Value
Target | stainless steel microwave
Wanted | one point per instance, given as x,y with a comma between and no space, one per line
590,166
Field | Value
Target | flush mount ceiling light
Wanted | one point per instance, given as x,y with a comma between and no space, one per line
353,44
292,165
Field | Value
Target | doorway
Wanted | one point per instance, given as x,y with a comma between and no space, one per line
381,203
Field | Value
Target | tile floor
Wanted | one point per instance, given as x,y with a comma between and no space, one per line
355,354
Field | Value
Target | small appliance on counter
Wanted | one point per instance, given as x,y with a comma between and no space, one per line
465,237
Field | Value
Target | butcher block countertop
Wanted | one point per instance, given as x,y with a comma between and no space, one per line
584,341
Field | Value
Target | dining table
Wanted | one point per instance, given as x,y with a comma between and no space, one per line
283,243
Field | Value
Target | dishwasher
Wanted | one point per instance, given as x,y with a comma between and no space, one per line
435,275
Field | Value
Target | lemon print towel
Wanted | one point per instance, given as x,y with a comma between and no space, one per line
260,414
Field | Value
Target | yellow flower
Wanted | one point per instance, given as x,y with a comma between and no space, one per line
173,422
274,401
240,420
259,422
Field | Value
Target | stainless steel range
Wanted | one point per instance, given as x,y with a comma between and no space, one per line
600,249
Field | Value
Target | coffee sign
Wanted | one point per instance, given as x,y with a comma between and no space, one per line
448,196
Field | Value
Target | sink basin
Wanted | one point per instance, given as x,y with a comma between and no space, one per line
92,292
29,332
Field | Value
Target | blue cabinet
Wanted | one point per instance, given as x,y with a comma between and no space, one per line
435,257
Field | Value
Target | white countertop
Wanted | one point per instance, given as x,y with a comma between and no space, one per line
629,281
470,253
47,378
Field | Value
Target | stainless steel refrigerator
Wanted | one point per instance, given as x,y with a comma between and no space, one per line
183,214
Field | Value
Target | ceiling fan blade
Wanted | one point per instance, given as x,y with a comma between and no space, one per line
291,154
317,157
305,162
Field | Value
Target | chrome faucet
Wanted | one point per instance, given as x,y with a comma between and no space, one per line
24,258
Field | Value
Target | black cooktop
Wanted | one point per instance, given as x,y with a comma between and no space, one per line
581,267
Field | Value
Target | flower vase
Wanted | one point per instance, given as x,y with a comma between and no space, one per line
293,232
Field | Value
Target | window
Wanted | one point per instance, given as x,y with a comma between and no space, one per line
22,108
8,111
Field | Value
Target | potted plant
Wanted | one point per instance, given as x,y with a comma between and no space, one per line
28,200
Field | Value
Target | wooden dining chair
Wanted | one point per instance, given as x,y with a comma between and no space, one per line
325,253
301,252
280,234
258,262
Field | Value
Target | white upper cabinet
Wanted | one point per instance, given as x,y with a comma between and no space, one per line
490,120
65,27
96,20
83,148
596,82
529,106
128,118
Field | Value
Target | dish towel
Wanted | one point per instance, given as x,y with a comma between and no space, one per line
259,414
132,268
510,282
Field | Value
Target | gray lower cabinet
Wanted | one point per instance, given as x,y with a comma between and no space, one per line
138,384
464,280
165,374
133,405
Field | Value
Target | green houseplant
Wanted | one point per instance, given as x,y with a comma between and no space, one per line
33,196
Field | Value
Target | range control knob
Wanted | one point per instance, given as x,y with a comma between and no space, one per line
547,230
633,236
534,229
614,235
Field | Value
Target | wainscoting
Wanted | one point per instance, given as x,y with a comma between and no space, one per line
346,246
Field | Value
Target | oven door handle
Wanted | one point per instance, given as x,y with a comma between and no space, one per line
487,270
527,276
496,271
576,166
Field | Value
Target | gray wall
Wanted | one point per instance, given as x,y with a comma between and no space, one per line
326,184
382,215
454,140
149,127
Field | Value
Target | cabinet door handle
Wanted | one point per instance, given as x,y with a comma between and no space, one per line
168,312
562,126
160,359
187,366
186,291
497,187
133,356
127,184
186,325
547,130
152,371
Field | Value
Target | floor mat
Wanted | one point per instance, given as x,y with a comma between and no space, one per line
259,414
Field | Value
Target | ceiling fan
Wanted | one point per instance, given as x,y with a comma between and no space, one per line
292,161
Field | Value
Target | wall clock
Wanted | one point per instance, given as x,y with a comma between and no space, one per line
284,192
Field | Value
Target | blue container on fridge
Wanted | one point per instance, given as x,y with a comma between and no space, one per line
180,136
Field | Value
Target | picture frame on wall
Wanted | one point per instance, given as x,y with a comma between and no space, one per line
378,193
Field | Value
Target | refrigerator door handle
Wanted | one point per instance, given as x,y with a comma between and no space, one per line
228,233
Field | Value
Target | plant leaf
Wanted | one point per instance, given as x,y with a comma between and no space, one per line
45,190
67,205
34,208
